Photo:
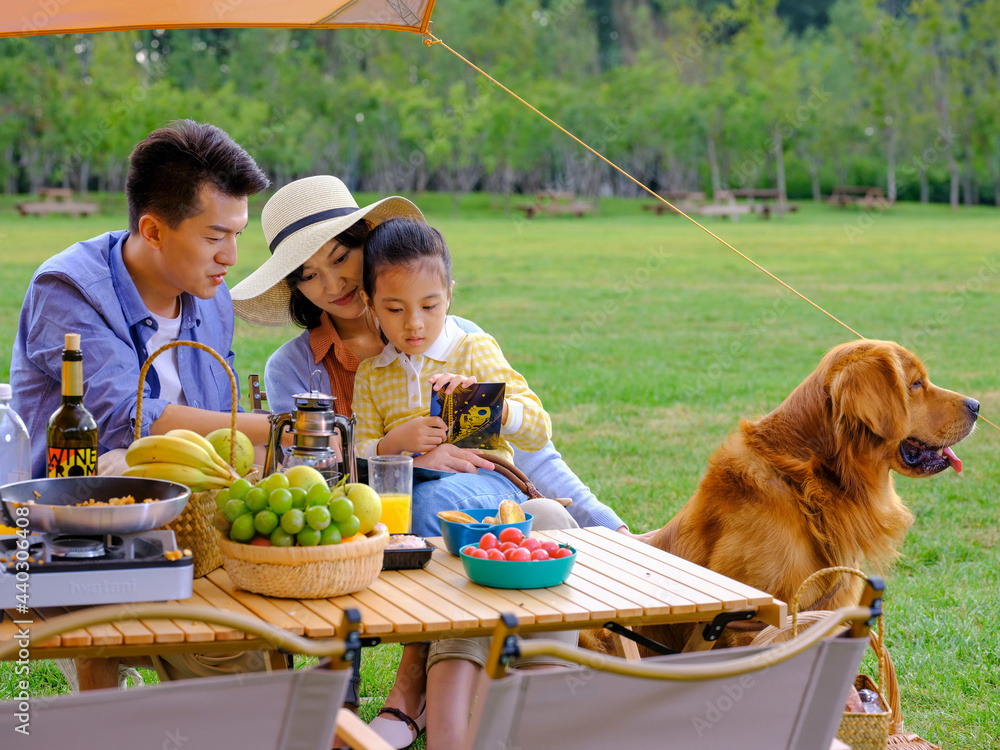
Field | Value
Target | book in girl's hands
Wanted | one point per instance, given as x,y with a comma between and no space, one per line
472,414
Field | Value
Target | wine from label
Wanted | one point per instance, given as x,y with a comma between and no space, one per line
72,462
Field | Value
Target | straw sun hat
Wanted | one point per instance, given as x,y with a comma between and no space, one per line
298,220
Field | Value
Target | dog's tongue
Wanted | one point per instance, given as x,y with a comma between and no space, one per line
955,461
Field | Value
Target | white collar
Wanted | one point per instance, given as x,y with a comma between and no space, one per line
451,334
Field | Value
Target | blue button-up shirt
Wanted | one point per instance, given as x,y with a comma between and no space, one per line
86,289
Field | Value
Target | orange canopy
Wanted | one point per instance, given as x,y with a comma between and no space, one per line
31,17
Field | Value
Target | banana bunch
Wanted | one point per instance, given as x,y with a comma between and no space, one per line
181,456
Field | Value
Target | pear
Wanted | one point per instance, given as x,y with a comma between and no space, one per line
367,505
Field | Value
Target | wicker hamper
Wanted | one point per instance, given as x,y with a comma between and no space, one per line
304,572
194,528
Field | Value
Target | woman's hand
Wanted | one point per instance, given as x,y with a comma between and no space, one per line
419,435
449,381
646,537
447,457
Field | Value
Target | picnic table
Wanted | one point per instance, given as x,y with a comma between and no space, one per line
725,205
56,201
616,578
865,196
770,201
687,201
556,203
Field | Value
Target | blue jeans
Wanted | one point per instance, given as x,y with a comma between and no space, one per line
458,491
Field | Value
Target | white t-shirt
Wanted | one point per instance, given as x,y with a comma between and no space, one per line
166,363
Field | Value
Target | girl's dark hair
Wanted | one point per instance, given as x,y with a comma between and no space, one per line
304,313
169,166
403,242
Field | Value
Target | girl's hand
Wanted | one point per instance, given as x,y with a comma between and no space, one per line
450,381
419,435
447,457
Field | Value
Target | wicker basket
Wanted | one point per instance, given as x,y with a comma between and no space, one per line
304,572
865,731
194,528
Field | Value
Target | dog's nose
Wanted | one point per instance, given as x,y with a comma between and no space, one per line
972,405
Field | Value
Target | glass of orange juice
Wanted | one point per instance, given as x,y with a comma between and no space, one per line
392,478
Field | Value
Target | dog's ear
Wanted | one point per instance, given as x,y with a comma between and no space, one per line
868,386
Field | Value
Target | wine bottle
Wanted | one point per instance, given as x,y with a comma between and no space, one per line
72,431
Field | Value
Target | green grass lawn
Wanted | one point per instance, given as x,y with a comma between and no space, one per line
647,340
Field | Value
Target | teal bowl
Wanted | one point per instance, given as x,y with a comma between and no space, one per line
458,535
506,574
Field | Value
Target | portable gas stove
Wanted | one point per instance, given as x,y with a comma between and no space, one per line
69,570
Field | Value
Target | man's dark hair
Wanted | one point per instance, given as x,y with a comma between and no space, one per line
169,166
304,313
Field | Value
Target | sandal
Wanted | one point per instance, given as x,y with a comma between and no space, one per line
402,734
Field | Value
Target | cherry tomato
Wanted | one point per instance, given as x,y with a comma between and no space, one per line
467,549
480,553
511,534
540,554
488,541
563,552
494,554
531,544
504,546
519,555
550,547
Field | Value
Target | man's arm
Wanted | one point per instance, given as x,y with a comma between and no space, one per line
254,426
54,307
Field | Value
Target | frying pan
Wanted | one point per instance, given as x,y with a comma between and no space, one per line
54,510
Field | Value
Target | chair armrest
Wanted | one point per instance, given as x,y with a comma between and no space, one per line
357,734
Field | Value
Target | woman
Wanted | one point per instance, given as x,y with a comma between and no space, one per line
315,231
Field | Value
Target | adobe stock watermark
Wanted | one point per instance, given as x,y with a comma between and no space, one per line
728,357
732,693
610,127
785,127
21,704
716,709
42,18
954,303
711,32
910,171
554,13
637,278
222,8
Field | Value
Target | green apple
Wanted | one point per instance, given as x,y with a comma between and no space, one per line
243,456
367,505
303,476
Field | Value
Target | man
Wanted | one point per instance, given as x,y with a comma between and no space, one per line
129,292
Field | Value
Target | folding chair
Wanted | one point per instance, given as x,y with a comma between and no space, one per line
258,397
788,696
285,710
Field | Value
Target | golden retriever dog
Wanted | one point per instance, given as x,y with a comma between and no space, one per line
809,485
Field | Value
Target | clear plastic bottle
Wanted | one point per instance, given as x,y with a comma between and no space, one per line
15,445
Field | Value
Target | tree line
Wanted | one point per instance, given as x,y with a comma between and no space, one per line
684,96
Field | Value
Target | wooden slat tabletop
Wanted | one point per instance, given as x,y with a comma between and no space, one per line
615,578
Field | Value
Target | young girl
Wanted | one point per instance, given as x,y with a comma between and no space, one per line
407,285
